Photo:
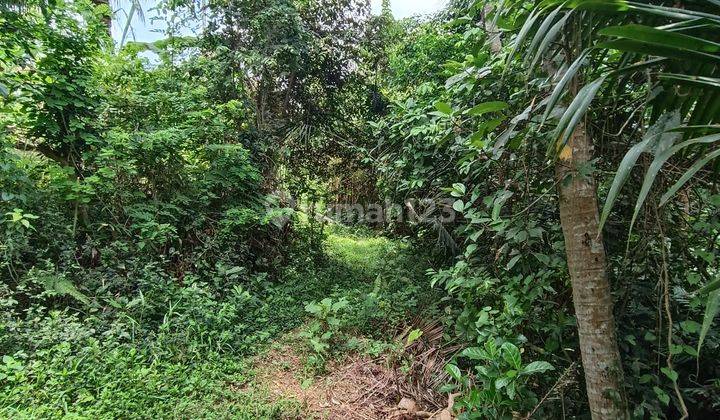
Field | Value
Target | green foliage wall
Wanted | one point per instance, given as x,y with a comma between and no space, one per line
465,124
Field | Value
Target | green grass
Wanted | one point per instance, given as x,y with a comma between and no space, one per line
120,383
364,252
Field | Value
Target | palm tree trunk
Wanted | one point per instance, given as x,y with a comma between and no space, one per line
591,290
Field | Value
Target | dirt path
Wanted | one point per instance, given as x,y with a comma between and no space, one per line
355,387
400,384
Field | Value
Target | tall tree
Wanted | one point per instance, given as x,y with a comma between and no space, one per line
591,291
585,252
573,34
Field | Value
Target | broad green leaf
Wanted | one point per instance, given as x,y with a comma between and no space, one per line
499,202
419,129
313,308
460,188
488,126
460,21
536,367
458,205
662,37
670,373
646,378
340,304
476,139
599,5
511,354
690,326
443,107
502,382
486,107
512,262
511,390
453,371
474,353
647,48
690,351
413,336
662,395
491,349
470,249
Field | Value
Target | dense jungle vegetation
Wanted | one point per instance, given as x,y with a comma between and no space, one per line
531,223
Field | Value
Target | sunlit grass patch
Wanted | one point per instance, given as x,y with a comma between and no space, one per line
359,251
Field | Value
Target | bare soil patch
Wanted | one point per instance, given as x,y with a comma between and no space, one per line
356,387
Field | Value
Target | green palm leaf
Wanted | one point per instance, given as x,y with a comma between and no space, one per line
689,174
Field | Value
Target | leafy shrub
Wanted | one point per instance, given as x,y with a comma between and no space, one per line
324,329
498,387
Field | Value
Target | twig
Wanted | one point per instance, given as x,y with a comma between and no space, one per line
668,314
552,389
538,199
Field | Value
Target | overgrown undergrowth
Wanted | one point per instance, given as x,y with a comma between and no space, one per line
151,247
74,363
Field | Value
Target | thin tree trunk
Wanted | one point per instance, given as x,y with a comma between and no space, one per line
492,31
591,290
